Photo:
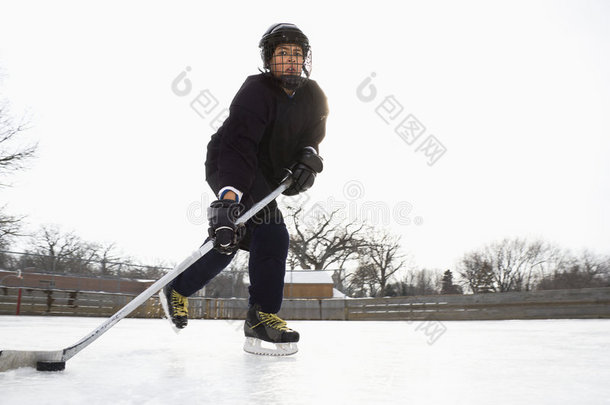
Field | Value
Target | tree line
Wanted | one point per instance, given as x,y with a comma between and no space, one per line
521,265
52,250
379,267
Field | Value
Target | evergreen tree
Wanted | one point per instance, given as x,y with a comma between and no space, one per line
447,284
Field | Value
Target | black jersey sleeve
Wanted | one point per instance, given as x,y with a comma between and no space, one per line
241,134
316,130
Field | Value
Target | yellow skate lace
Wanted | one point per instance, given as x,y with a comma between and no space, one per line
272,320
180,304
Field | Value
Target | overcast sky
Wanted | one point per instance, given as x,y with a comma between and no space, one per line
462,122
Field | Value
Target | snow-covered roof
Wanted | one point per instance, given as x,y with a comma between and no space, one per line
308,277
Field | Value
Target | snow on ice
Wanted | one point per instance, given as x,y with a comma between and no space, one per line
142,361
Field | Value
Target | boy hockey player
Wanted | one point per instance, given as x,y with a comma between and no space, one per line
276,122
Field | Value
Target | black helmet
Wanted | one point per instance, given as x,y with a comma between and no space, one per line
286,33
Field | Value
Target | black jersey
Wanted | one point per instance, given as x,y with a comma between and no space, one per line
265,130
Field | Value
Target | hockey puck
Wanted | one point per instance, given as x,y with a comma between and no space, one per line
51,365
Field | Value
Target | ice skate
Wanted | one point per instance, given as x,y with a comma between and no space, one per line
175,307
267,334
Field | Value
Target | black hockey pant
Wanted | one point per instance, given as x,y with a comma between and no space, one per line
267,240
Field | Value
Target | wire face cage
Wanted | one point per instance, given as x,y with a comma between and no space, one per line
286,55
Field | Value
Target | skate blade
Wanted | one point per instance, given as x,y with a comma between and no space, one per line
163,301
262,348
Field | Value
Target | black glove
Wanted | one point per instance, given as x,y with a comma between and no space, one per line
222,215
304,171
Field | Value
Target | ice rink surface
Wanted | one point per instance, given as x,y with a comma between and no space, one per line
142,361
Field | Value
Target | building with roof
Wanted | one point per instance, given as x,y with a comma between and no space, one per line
308,284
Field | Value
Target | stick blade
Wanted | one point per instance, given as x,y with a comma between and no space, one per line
13,359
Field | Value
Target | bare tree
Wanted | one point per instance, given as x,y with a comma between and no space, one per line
84,259
515,260
477,271
53,250
13,157
382,257
512,262
110,262
10,226
584,271
595,266
362,282
322,241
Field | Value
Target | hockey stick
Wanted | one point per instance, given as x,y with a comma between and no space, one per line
56,359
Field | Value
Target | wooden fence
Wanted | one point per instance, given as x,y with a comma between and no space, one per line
37,301
552,304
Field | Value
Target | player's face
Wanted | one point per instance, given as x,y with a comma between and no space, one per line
287,59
